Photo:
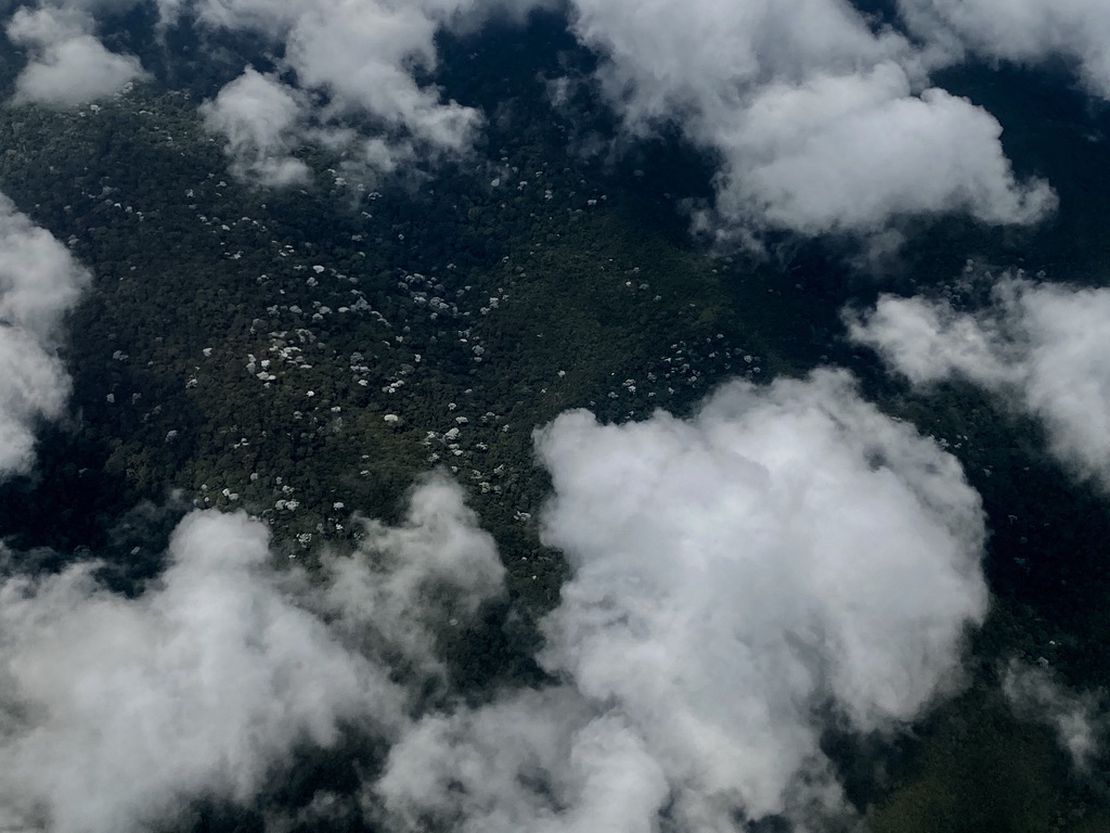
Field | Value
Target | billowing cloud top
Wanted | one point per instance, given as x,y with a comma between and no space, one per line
786,549
116,709
117,712
1043,347
39,282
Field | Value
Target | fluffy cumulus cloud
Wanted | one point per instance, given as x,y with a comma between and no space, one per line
1036,695
39,282
787,557
1024,31
361,57
116,712
1043,347
821,124
849,153
67,65
261,119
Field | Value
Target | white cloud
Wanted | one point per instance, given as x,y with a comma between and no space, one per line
33,385
1023,31
1042,347
261,118
39,279
532,761
363,57
117,709
116,712
410,581
820,124
703,58
67,64
787,549
1035,694
849,153
40,282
